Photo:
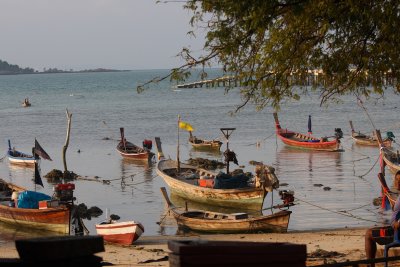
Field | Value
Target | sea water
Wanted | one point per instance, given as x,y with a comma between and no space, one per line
332,189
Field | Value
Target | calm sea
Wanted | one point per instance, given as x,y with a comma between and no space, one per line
101,103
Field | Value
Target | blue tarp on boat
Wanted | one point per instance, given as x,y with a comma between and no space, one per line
30,199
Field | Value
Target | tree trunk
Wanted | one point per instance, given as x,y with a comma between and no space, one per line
69,115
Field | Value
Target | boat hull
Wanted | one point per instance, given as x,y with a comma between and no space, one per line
250,198
368,141
124,233
134,152
318,146
276,223
50,219
390,159
23,161
207,145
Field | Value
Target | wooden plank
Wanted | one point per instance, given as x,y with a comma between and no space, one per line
193,247
58,247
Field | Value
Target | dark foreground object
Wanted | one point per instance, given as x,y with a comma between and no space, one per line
232,254
58,251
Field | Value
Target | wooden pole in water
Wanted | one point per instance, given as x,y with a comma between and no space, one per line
178,167
64,150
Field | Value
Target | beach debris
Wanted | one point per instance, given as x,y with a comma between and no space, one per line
321,253
165,258
206,163
56,175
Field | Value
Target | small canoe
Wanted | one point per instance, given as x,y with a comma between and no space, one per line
124,233
224,223
129,150
367,140
307,141
19,158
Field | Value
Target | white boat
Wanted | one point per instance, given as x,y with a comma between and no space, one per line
124,233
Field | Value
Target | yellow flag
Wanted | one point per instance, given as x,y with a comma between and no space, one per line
186,126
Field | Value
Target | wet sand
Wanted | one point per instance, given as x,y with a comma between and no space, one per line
153,250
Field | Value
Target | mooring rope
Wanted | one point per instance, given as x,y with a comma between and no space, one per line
344,213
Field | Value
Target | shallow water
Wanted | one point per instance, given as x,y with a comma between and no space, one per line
101,103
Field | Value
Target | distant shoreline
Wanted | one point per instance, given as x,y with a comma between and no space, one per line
61,71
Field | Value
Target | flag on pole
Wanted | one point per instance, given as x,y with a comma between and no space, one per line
38,179
40,151
186,126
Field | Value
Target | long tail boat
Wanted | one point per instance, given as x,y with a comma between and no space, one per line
131,151
367,140
55,219
307,141
200,185
215,222
203,144
19,158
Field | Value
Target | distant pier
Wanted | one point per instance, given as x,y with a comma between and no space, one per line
312,77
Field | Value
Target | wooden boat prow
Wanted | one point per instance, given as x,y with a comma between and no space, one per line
303,141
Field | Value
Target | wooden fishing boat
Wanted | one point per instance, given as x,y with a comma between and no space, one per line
307,141
200,185
19,158
391,159
124,233
131,151
203,144
51,217
215,222
367,140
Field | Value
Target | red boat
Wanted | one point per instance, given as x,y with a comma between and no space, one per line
124,233
307,141
131,151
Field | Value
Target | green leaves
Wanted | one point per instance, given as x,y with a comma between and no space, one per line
277,45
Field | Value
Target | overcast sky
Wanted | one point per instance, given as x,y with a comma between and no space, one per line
84,34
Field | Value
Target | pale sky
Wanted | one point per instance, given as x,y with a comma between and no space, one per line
84,34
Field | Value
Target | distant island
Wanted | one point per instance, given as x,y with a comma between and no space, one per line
9,69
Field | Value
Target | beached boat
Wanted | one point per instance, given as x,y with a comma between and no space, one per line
307,141
215,222
129,150
124,233
367,140
204,186
198,143
17,157
47,215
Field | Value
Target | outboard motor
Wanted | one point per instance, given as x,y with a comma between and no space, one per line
338,133
64,192
147,144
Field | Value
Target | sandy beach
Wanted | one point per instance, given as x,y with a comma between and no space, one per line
322,246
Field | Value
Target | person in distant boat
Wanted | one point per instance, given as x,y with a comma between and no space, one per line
370,244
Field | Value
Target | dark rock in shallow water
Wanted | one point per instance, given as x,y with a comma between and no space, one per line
327,188
318,185
283,184
54,174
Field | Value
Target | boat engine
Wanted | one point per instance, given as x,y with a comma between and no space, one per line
287,197
338,133
64,192
147,144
